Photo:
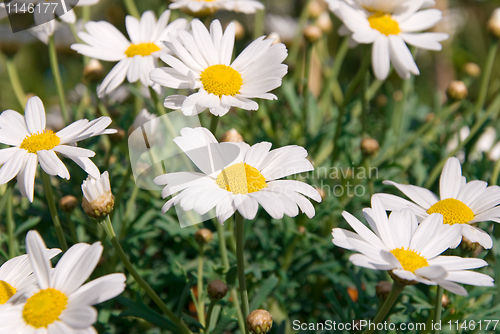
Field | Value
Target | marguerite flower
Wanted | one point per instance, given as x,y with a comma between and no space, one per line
137,57
388,25
16,273
32,144
409,250
461,203
59,303
98,201
204,63
207,7
235,176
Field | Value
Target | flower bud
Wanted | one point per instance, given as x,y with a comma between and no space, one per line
231,136
68,203
369,146
239,30
217,289
118,135
445,301
203,236
275,36
259,322
383,289
397,95
457,90
321,192
324,22
93,71
315,8
468,245
472,69
494,23
381,100
312,33
98,201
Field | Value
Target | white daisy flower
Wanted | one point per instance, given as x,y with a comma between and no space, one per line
207,7
235,176
98,201
16,273
59,302
388,25
137,57
32,143
204,63
408,249
461,203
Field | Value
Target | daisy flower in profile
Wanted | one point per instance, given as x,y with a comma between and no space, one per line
33,144
137,57
237,176
389,25
16,273
60,302
98,201
204,63
208,7
409,250
461,203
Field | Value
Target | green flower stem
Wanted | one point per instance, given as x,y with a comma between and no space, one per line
365,64
483,90
240,262
232,240
15,82
47,185
398,111
214,122
157,102
396,290
121,190
258,27
108,228
11,226
72,229
201,304
209,315
493,109
132,8
5,196
57,77
225,264
438,304
297,39
496,171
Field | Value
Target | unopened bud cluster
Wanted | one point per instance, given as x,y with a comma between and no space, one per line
217,289
259,322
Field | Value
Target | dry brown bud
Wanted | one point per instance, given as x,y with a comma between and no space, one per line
118,136
217,289
68,203
445,301
203,236
457,90
232,136
259,322
383,289
397,96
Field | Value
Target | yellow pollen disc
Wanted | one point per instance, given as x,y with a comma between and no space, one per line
6,291
44,140
221,80
44,307
409,259
141,49
453,211
384,23
241,178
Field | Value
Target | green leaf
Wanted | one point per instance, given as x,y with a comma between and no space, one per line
139,310
33,221
184,295
264,291
190,320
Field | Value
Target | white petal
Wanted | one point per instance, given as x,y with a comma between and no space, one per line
36,250
451,177
35,115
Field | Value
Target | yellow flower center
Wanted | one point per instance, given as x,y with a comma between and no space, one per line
44,307
141,49
453,211
44,140
384,23
6,291
221,80
241,178
409,259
